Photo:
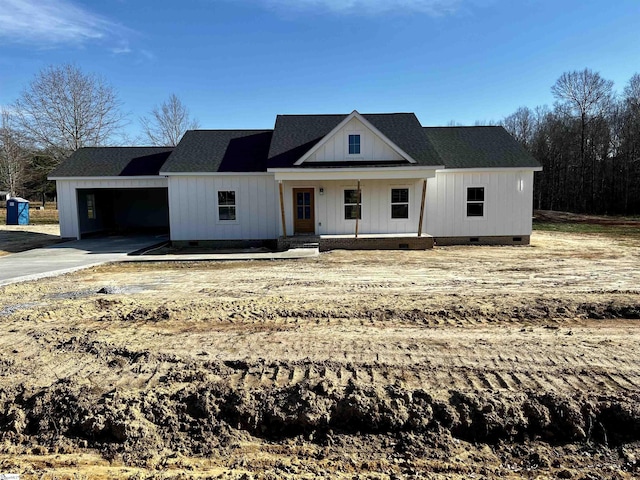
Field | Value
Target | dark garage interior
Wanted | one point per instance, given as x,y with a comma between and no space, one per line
123,211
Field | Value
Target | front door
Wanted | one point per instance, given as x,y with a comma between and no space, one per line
303,211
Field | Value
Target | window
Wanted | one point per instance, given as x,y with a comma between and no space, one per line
91,206
227,205
354,144
475,202
303,205
399,203
351,210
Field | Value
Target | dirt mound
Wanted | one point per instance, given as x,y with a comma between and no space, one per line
203,417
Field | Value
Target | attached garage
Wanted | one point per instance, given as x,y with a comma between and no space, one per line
122,210
113,191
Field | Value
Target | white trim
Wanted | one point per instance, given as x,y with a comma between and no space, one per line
213,174
138,177
408,168
367,124
488,170
361,173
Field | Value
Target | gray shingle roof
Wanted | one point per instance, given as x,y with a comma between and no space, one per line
113,162
220,151
295,135
479,147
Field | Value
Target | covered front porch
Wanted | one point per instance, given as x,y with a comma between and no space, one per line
353,208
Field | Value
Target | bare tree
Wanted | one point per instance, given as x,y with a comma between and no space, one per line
13,156
64,109
628,145
521,125
632,92
167,123
583,93
587,96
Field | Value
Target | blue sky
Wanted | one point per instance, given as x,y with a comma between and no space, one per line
238,63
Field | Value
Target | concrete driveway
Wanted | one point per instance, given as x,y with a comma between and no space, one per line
70,256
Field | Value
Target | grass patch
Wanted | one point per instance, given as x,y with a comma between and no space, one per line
588,228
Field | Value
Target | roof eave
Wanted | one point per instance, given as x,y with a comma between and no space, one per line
107,177
489,169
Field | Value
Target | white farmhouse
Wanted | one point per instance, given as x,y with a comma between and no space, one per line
341,181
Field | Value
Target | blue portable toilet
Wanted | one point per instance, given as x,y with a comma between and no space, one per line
17,211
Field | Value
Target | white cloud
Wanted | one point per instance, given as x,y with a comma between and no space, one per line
370,7
123,49
51,22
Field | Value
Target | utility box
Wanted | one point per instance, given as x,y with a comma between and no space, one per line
17,211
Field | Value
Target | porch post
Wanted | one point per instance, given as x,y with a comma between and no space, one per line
358,211
284,223
424,194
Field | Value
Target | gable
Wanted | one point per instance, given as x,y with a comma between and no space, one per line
335,148
296,136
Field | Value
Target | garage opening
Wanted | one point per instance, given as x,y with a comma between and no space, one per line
123,211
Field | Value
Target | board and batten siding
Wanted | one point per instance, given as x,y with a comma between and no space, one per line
508,204
376,206
336,148
193,207
67,197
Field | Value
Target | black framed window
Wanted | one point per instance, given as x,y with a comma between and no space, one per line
475,201
226,205
354,144
351,208
399,203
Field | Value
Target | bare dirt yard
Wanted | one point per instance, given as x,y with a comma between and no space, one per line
460,362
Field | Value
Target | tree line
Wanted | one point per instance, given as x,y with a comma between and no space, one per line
588,144
64,109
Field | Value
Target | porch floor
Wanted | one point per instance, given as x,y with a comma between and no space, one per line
364,241
376,235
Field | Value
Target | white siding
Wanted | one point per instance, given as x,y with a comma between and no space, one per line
336,148
376,206
194,214
193,207
508,204
68,198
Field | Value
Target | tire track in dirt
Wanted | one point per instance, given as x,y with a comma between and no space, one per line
437,357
